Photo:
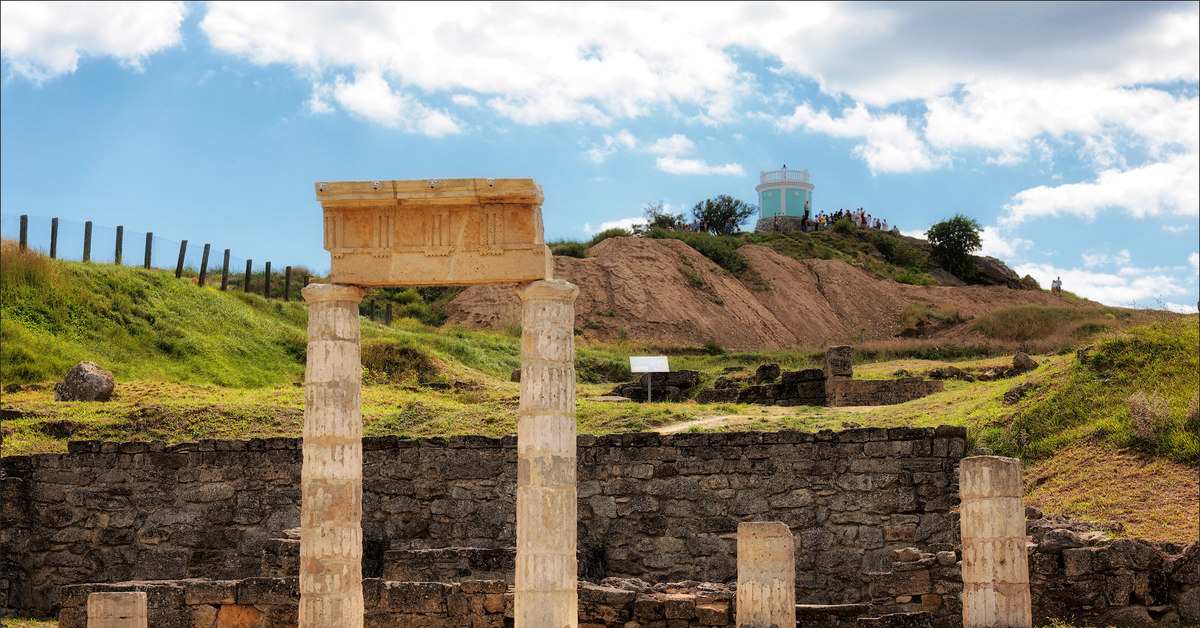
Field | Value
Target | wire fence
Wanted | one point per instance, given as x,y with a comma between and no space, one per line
194,261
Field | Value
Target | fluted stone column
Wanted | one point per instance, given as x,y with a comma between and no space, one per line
118,609
546,518
331,478
995,567
766,569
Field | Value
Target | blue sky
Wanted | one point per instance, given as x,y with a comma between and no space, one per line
1070,131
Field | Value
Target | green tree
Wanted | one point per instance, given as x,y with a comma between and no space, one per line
952,242
658,216
715,213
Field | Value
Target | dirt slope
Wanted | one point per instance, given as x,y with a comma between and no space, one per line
665,292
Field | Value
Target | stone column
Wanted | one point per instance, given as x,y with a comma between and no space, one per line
766,569
117,610
995,567
331,478
546,518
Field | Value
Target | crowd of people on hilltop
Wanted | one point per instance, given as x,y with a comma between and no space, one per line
824,221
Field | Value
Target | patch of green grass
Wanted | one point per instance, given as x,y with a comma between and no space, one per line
1091,398
721,250
1029,322
139,324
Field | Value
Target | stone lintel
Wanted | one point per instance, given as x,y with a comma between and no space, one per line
435,232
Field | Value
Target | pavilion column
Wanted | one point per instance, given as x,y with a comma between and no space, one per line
331,478
995,567
766,575
546,516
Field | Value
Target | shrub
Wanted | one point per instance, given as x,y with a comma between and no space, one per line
720,250
898,252
712,348
952,242
843,225
1149,416
615,232
389,361
569,248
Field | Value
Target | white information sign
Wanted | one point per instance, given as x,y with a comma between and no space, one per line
648,364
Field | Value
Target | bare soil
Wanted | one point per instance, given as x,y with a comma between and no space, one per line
665,292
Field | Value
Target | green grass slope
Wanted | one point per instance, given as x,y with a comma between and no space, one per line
141,324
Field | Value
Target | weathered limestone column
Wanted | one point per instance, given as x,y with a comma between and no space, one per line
546,519
766,569
331,478
995,567
117,610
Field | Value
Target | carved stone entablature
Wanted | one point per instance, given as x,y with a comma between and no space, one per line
429,232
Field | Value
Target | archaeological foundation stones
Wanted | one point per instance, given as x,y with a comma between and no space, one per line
766,564
117,610
995,567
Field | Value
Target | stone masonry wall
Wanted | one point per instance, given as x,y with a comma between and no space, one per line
661,508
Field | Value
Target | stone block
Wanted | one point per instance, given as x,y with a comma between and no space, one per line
434,231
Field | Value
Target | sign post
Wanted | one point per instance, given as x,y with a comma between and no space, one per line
648,364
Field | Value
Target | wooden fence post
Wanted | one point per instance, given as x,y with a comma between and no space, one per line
120,239
149,245
179,264
387,314
267,281
87,241
225,272
246,285
287,283
53,238
24,232
204,265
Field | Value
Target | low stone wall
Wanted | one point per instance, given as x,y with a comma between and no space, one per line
880,392
273,603
1127,582
663,508
831,386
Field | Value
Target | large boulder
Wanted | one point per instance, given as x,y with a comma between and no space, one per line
766,373
86,382
1023,362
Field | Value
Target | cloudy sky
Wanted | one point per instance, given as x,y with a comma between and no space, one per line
1071,131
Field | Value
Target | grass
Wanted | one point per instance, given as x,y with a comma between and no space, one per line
1090,401
1153,498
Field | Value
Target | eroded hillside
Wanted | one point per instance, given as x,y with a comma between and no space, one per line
664,291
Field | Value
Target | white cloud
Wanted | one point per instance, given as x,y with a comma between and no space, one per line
890,145
1166,187
671,151
1194,260
370,96
674,145
43,40
1176,228
1128,287
610,144
995,244
621,223
465,100
1092,258
678,165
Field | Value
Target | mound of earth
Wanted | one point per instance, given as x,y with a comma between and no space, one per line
666,292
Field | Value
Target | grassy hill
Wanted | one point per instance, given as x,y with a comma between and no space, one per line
195,363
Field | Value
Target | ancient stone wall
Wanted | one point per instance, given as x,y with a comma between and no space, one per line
880,392
662,508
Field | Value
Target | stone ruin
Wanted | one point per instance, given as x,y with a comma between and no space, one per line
832,385
861,525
